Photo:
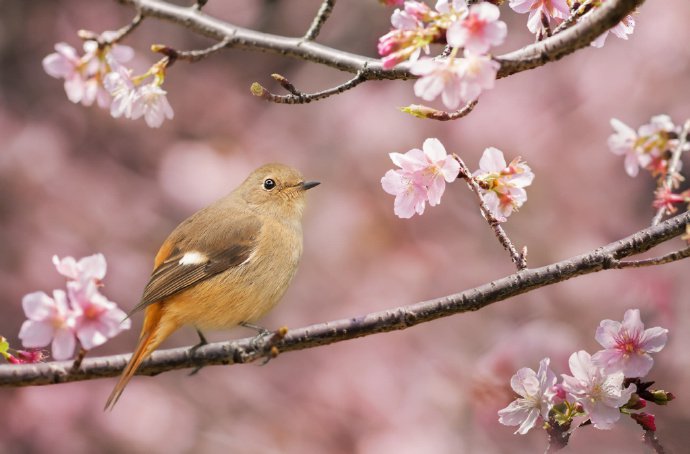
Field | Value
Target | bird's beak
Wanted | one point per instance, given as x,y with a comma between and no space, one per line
309,184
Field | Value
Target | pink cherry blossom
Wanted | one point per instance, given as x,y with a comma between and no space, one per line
50,320
503,184
438,77
457,80
422,177
478,73
151,103
625,142
91,268
536,391
622,30
410,194
84,74
627,345
452,7
646,420
97,318
601,394
479,30
123,90
551,9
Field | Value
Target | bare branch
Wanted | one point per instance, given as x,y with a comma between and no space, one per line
551,49
668,258
112,38
518,259
244,350
320,19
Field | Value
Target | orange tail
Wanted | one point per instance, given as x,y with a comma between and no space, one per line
153,333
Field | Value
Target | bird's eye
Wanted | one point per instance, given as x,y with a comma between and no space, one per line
269,184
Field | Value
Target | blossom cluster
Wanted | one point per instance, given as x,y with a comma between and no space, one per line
423,174
99,76
602,386
651,147
81,313
466,68
460,77
545,15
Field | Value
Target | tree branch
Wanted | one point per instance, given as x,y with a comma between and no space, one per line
245,350
551,49
320,19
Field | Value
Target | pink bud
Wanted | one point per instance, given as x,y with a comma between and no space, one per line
646,420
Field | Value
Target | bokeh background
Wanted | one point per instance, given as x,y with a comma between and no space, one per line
74,181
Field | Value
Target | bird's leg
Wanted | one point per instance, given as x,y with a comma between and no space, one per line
202,342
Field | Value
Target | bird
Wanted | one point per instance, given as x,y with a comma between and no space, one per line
227,264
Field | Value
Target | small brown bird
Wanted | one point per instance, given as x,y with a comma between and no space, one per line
227,264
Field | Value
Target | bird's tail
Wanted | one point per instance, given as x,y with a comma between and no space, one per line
153,333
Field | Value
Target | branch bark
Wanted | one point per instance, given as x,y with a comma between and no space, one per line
245,350
551,49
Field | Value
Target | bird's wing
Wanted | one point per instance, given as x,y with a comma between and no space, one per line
223,245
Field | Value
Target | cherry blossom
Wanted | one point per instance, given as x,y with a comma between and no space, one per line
97,318
121,87
503,185
537,393
50,321
91,268
622,30
551,9
410,194
624,142
601,394
627,345
454,8
151,103
644,148
422,177
408,37
84,74
479,30
457,80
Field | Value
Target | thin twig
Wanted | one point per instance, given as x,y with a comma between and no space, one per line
299,97
518,259
673,168
320,19
109,38
189,55
421,111
577,13
650,439
243,351
668,258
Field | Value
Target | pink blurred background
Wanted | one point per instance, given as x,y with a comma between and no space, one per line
75,181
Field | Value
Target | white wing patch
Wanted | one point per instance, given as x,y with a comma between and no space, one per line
250,258
193,258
